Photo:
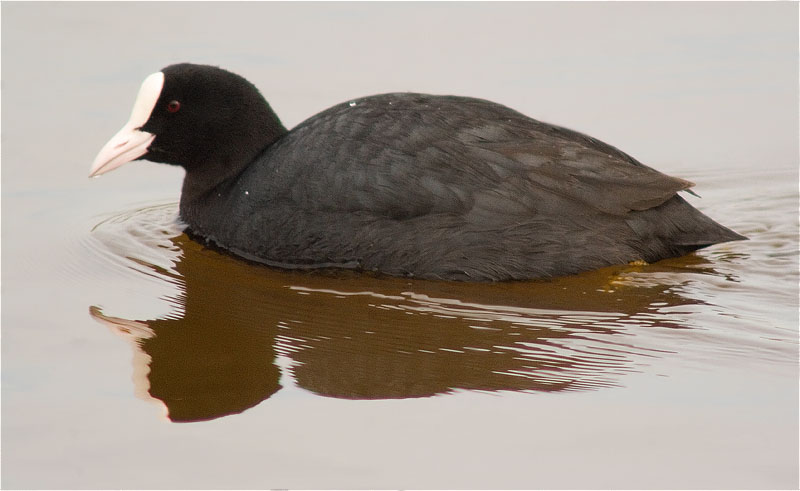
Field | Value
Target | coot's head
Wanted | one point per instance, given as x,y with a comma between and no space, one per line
203,118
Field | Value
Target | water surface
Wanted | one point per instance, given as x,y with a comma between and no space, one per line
136,358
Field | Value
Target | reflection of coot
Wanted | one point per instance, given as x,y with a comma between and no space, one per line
436,187
352,336
209,362
203,370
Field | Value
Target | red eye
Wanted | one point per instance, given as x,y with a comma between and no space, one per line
173,106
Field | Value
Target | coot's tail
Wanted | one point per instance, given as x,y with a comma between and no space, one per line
675,228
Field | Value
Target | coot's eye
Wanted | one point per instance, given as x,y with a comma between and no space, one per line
173,106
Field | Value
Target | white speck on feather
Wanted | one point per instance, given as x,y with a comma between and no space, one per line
352,103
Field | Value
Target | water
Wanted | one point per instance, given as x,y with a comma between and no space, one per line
135,358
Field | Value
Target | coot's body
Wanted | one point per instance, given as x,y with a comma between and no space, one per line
437,187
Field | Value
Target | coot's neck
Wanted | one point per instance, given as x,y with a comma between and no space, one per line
213,168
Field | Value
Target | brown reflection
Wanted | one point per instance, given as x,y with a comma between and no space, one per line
213,360
356,336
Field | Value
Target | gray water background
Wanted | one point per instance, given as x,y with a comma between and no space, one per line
703,91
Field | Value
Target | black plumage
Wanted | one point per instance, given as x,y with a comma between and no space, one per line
437,187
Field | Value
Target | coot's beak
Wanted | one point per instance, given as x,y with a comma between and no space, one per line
131,142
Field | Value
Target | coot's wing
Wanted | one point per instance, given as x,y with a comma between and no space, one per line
579,168
407,155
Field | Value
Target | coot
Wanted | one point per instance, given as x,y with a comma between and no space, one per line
437,187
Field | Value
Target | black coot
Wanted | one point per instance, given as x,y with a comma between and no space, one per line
438,187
